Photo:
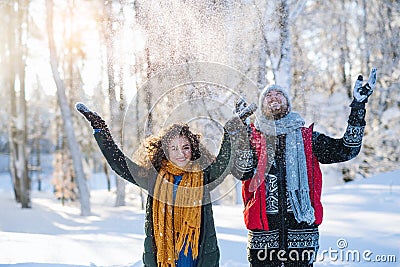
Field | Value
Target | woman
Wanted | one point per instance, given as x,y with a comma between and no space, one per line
179,222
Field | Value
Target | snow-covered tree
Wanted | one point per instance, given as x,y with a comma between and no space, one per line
16,83
67,117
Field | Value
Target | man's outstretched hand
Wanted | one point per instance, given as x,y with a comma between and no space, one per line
362,92
95,120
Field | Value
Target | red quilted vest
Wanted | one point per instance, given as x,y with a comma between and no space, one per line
253,190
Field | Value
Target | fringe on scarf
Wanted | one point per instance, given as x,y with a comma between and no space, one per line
177,223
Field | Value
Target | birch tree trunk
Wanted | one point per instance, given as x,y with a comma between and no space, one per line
22,129
67,118
138,136
115,107
277,43
36,149
18,123
263,13
148,95
282,66
11,74
344,60
366,51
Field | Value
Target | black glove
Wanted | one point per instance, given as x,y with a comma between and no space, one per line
244,159
362,92
95,120
243,111
238,127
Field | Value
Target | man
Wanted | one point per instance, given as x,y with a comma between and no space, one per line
282,201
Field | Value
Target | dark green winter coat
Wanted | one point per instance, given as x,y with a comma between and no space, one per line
213,175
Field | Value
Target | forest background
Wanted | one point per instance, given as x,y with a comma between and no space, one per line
54,53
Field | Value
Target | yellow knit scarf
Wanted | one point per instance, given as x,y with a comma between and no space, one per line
175,223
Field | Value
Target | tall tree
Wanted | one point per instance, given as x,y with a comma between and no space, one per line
344,64
67,117
18,113
277,43
366,59
116,106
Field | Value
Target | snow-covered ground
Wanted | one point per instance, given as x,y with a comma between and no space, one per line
361,219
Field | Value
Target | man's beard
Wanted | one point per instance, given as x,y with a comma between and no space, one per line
277,113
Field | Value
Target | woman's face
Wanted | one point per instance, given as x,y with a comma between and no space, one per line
179,151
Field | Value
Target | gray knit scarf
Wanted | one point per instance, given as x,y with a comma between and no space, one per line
296,168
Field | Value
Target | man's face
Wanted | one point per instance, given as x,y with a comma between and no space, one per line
275,104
